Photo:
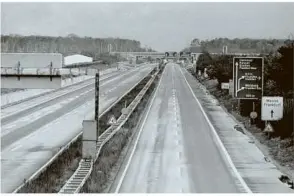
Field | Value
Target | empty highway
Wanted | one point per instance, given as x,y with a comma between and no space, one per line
186,143
176,150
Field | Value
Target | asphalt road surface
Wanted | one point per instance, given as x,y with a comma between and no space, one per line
176,151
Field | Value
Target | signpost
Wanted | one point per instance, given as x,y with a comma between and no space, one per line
231,89
225,85
271,108
248,77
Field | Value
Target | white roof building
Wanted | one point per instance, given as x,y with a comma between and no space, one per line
77,58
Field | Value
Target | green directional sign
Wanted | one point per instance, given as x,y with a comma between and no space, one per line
248,77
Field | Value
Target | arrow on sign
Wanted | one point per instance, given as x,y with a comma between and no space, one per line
272,113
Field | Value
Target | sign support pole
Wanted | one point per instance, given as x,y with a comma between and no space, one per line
253,109
97,102
268,134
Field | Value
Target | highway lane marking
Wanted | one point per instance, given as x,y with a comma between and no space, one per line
6,129
16,147
25,120
238,175
138,137
60,94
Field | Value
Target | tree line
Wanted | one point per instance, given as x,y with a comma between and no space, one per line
263,46
69,45
278,80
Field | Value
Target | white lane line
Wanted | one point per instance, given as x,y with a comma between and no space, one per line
25,120
57,94
218,139
138,137
16,147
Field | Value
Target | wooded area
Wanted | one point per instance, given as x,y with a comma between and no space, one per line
278,81
72,44
246,45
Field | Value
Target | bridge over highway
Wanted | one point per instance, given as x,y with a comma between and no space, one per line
163,54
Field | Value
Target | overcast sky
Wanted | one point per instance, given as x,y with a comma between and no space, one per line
162,26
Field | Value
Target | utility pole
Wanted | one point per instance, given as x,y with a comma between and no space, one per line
97,101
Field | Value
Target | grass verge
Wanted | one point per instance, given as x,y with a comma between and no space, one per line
280,151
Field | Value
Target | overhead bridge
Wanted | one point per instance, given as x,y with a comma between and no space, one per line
162,54
140,54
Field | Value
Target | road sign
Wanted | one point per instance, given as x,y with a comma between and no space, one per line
248,77
124,111
225,85
111,120
271,108
268,128
253,115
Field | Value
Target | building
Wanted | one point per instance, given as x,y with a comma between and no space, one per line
77,58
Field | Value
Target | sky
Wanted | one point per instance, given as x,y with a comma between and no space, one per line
162,26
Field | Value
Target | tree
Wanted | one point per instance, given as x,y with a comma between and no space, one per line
72,44
280,69
203,61
221,69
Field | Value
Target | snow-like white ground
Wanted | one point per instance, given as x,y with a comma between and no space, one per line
20,95
26,155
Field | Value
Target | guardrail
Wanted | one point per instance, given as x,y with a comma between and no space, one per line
83,64
78,179
47,164
39,72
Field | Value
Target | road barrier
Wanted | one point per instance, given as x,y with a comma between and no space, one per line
75,139
77,180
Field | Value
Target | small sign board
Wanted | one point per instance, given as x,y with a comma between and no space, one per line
271,108
253,115
225,85
268,128
111,120
124,111
90,138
